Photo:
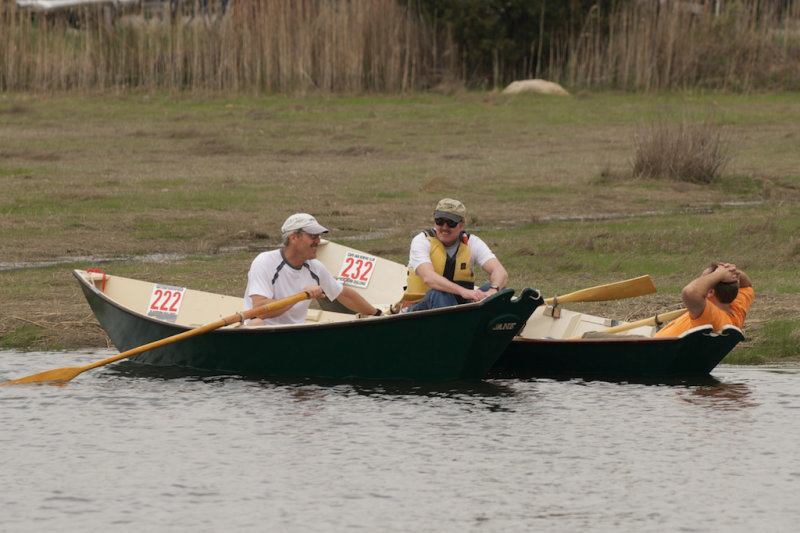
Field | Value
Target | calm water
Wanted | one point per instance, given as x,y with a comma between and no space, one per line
118,450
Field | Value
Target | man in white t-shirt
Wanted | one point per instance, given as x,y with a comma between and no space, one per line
293,268
443,259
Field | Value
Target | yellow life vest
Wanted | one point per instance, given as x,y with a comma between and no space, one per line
457,269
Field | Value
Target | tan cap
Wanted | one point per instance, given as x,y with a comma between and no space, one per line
449,208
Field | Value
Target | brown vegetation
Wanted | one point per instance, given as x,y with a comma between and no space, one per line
684,151
652,46
288,46
328,46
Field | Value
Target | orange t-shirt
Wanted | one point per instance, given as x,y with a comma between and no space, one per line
712,315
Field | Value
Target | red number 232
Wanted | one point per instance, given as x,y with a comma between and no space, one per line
357,265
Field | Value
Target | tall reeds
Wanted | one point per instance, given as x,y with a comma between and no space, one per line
255,46
646,46
354,46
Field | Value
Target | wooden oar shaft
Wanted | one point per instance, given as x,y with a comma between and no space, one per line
157,344
612,291
222,322
66,374
651,321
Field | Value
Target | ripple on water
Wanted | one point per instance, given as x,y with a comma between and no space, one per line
125,448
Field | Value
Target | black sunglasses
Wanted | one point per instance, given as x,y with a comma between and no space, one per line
447,221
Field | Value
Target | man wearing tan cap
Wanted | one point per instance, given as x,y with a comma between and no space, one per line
443,259
294,268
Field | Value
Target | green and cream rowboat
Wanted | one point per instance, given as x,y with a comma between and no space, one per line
573,345
455,343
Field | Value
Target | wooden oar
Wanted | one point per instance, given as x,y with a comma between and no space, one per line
652,321
67,373
612,291
412,297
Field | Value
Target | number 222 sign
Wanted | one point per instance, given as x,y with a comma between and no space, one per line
356,269
165,302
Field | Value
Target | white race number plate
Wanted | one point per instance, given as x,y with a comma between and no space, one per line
165,302
357,269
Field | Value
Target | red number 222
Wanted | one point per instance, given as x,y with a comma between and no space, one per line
166,300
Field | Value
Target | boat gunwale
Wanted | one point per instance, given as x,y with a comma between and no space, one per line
237,328
705,330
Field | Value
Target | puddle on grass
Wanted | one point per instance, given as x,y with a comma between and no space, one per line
162,258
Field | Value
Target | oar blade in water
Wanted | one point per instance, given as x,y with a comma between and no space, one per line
55,375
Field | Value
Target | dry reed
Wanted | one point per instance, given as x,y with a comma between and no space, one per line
650,46
333,46
259,46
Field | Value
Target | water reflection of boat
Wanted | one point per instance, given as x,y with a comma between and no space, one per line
722,396
467,390
409,346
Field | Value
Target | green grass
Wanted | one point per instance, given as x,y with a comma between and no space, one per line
15,171
22,337
779,341
546,181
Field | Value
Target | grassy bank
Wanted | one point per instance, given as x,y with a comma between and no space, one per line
187,191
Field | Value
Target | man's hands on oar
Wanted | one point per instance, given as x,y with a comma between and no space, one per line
67,373
611,291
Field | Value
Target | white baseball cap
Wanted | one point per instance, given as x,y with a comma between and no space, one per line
303,221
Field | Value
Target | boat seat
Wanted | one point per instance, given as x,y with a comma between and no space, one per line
313,315
572,325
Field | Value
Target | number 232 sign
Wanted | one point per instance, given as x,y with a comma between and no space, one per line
356,269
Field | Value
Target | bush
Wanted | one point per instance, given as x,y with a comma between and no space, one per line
687,151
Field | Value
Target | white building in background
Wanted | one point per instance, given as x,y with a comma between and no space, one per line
693,6
52,5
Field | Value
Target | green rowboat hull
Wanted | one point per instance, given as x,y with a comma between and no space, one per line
461,342
696,353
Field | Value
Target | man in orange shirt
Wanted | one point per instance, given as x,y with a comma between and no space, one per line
721,295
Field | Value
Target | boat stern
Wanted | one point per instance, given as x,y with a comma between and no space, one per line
504,317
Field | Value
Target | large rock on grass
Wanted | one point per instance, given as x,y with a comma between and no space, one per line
535,86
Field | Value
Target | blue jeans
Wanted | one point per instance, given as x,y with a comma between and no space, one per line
435,299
